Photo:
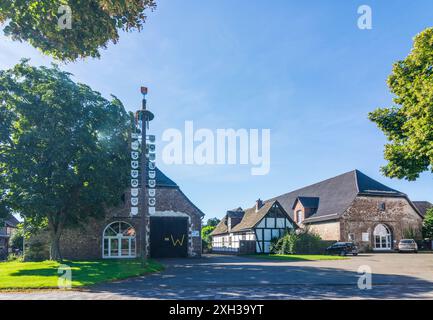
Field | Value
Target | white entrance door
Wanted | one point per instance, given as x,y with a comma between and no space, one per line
382,238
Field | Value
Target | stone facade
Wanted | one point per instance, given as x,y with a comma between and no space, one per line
85,242
365,213
328,230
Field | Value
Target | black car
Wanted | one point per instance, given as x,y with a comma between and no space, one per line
342,249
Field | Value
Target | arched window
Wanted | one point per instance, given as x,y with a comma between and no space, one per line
382,237
119,241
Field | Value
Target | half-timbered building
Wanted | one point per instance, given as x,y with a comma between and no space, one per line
251,230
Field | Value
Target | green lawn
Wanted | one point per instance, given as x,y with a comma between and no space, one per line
299,257
31,275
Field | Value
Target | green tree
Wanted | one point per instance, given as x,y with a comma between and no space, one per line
212,222
94,24
205,236
63,149
427,227
408,125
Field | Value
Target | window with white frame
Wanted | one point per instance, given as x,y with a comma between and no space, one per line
299,216
119,241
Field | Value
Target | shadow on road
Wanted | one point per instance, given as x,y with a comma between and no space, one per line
244,278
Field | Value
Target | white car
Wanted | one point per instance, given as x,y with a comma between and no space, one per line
407,245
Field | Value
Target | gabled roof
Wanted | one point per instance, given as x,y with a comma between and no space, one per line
422,206
336,194
11,221
367,185
250,219
221,227
307,202
163,181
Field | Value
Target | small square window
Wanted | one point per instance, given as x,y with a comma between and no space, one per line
351,237
382,206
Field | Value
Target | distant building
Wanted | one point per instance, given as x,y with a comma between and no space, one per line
423,206
7,228
348,207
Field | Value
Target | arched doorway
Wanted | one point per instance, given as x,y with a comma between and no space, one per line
382,237
119,241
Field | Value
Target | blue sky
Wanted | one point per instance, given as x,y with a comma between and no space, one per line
301,68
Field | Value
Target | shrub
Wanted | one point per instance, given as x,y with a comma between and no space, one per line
16,241
36,249
412,233
206,238
15,257
304,242
427,227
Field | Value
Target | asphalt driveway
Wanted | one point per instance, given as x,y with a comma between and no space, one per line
394,276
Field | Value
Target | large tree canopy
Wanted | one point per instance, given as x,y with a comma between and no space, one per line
409,124
94,24
63,148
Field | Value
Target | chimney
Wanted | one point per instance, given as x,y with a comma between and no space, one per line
259,204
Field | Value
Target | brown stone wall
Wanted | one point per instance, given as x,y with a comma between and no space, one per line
326,230
365,214
86,242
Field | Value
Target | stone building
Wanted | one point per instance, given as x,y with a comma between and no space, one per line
174,229
354,207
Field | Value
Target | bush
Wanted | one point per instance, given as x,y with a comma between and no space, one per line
206,238
412,233
15,257
305,242
36,249
16,241
427,227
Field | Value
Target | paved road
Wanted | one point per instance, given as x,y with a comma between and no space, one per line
404,276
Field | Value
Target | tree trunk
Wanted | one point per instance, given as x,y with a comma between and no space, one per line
55,253
55,227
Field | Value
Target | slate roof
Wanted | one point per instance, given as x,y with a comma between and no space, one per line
423,206
307,202
336,194
331,197
163,181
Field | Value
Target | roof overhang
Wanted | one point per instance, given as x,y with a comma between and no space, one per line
327,217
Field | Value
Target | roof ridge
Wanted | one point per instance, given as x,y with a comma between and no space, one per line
356,179
310,185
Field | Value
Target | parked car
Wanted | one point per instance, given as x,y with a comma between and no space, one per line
342,249
407,245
